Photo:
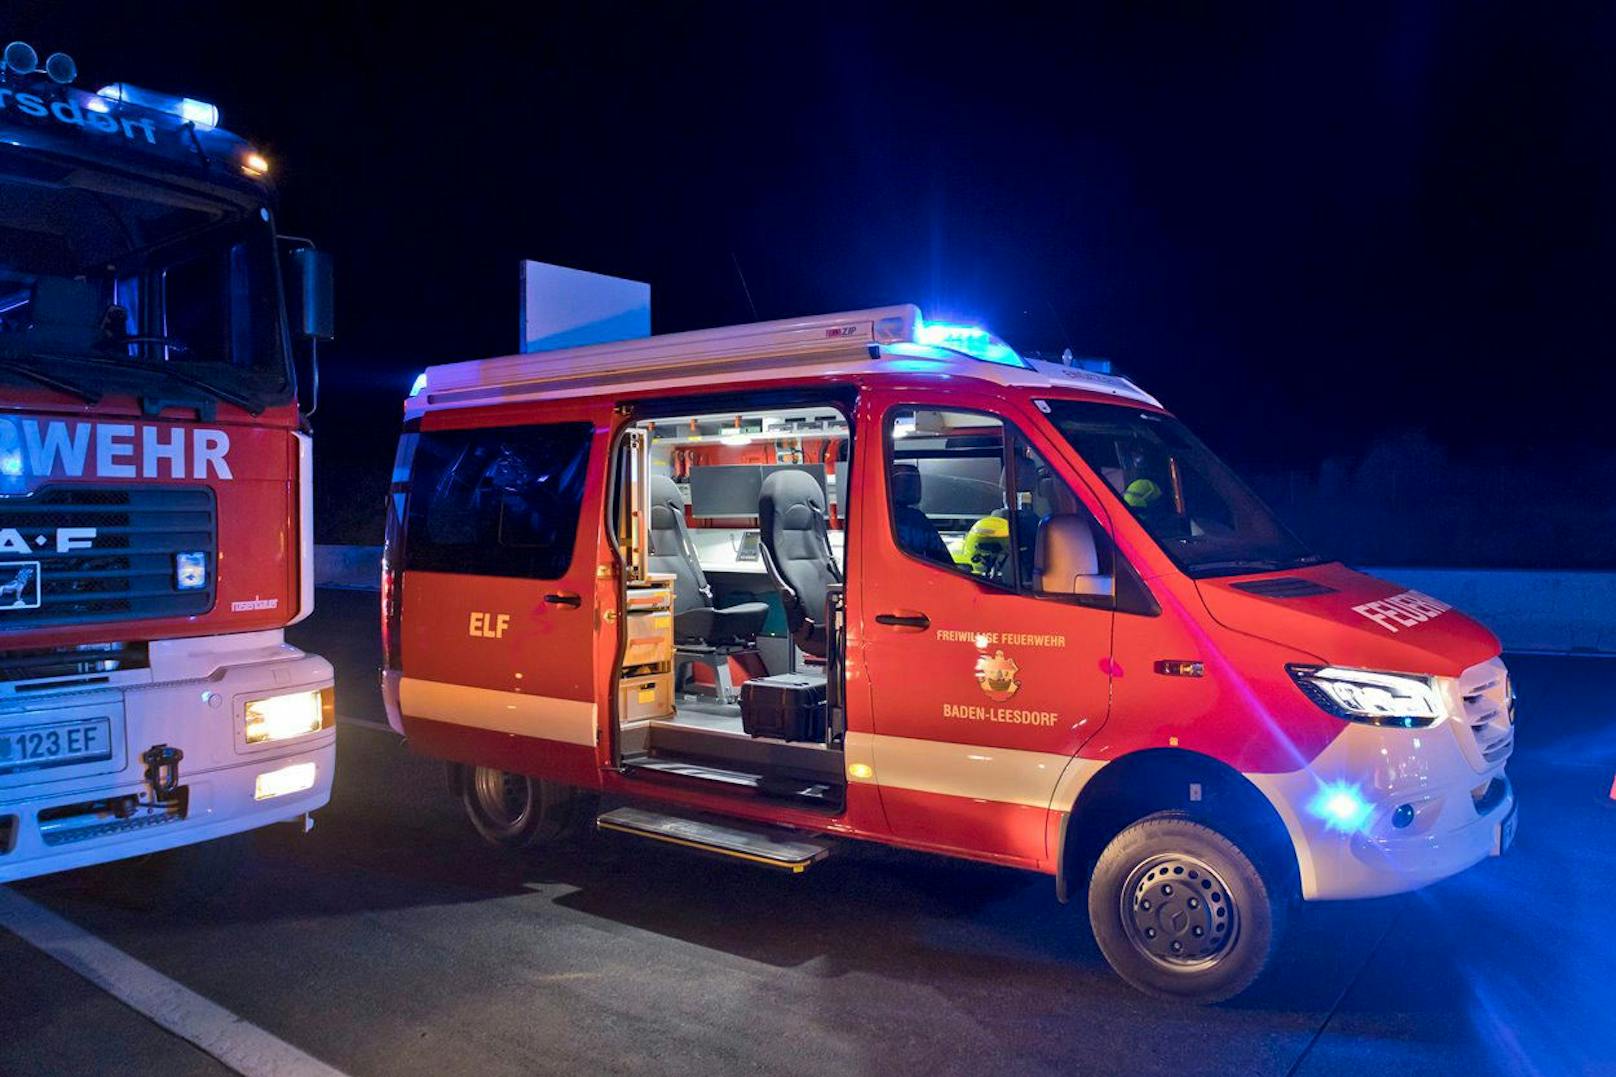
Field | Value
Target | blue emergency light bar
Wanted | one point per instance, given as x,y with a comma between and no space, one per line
203,114
970,340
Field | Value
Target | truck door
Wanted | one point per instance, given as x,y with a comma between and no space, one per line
986,608
500,629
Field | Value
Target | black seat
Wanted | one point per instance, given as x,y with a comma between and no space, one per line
796,552
695,619
916,532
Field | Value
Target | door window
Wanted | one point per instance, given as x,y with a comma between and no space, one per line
970,495
498,501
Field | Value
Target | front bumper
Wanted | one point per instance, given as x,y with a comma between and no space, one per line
53,820
1428,812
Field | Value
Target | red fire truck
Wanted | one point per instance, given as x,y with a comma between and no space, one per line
869,577
155,482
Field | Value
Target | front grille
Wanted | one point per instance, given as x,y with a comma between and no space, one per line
1489,709
84,660
127,570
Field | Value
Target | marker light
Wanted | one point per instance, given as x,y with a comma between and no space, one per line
976,342
191,570
284,717
1340,806
255,164
201,113
1402,700
278,783
419,385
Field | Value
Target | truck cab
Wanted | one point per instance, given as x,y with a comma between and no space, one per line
155,482
865,576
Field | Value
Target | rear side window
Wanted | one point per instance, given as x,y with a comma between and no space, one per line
499,501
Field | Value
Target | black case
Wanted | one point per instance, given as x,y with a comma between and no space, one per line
787,706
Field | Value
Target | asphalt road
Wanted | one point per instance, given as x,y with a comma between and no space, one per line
391,941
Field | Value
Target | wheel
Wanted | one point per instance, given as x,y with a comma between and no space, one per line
1181,912
515,810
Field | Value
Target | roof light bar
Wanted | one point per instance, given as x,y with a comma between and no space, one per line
203,114
970,340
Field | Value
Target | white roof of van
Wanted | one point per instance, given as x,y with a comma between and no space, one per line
883,339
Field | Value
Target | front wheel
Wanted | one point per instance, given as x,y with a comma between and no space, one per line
515,810
1181,912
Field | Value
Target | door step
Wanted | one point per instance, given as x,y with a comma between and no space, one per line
772,785
771,848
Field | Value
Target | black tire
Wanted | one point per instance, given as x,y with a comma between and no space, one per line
515,811
1181,912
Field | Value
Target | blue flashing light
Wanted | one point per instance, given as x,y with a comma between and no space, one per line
1341,806
970,340
202,114
419,385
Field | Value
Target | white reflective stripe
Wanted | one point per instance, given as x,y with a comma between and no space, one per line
241,1046
305,526
569,720
1004,775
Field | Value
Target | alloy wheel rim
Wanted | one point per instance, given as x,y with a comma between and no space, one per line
505,799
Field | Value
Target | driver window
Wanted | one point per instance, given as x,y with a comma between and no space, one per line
971,496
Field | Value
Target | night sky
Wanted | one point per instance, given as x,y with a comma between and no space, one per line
1303,229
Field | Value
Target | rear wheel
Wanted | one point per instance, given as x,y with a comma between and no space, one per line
514,810
1180,911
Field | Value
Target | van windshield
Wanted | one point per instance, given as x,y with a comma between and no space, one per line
1192,503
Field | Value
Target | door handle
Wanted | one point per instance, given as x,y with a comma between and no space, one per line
903,620
564,598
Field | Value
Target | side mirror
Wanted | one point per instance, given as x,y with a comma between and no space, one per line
312,282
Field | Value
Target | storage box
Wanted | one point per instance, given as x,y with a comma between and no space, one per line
650,638
649,696
788,706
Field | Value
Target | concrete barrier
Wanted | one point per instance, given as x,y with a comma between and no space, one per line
351,568
1530,610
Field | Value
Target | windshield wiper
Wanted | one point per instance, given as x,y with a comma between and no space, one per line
50,381
229,396
1257,564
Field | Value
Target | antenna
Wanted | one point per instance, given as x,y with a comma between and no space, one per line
744,289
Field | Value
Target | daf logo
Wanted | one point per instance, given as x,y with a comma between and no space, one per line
55,539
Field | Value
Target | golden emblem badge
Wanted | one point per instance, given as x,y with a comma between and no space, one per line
997,676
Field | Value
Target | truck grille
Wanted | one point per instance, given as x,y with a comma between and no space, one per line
1489,709
126,572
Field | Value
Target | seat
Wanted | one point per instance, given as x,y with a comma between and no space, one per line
916,532
1066,560
702,633
695,618
797,554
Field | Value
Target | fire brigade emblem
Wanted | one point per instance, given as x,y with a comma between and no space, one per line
997,676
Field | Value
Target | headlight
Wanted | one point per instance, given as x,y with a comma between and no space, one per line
1403,700
283,717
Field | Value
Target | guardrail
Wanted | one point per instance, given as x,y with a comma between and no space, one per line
1529,609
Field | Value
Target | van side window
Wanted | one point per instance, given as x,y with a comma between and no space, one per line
974,497
497,501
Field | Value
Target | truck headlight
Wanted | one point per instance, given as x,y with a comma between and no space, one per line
1403,700
296,714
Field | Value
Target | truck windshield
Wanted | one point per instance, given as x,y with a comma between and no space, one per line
1192,504
110,280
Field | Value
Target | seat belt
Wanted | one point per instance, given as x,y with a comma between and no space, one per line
824,538
689,549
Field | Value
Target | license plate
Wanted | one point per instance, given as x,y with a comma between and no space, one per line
1506,831
60,744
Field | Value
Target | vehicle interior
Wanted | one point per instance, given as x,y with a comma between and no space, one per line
732,528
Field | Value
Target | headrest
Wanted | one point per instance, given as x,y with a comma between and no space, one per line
665,492
662,517
784,489
906,485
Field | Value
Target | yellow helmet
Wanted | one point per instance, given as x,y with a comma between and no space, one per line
1142,493
986,545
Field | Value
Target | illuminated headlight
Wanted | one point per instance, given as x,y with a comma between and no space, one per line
279,783
1403,700
191,570
284,717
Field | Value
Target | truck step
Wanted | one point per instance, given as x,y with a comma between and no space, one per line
805,789
774,849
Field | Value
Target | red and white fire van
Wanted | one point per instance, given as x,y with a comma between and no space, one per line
156,486
865,576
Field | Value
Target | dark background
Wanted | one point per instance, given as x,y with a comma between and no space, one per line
1366,251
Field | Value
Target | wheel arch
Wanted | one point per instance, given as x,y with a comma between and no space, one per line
1198,786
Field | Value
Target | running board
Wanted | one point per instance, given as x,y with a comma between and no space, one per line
815,792
757,846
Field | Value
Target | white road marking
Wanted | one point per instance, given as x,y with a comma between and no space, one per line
237,1043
